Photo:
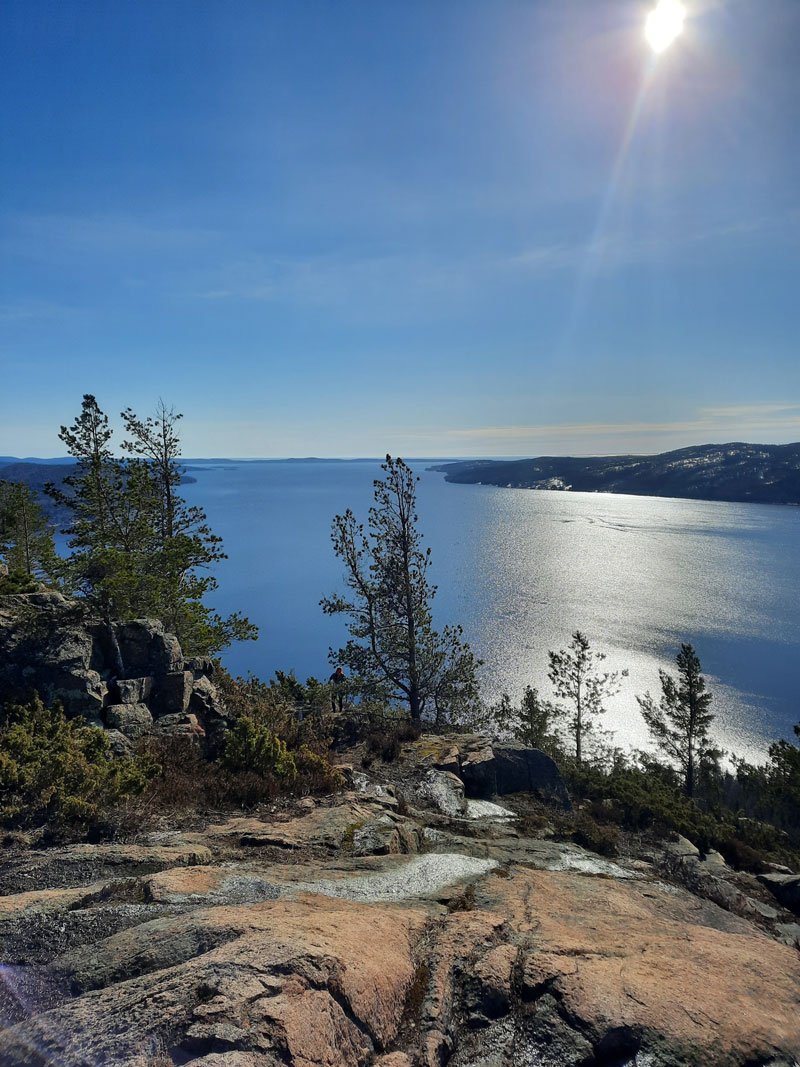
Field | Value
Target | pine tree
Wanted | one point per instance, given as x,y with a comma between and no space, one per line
136,547
576,679
679,723
183,544
784,766
26,534
394,649
531,721
111,507
156,440
108,526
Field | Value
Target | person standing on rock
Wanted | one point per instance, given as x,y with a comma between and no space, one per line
337,680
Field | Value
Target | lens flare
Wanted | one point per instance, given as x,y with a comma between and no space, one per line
664,24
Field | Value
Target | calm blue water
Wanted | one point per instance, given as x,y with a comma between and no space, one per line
520,571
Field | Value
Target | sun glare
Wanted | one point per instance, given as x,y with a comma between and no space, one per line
664,24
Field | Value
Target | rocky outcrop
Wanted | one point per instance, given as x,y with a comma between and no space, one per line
609,969
786,888
47,645
352,931
491,768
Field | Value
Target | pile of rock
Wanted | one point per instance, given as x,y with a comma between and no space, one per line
48,646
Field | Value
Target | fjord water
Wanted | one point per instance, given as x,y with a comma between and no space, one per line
521,570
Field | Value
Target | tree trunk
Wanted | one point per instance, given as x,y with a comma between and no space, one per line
414,703
26,538
116,651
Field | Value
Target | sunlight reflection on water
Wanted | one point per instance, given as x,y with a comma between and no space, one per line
637,575
521,570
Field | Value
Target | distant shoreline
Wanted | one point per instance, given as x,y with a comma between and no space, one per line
736,473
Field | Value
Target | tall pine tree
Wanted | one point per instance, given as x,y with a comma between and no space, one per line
137,548
184,546
679,723
393,647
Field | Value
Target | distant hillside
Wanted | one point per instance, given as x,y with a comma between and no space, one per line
765,474
38,474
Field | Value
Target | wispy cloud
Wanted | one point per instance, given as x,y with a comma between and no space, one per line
32,310
58,237
337,277
716,423
226,263
748,411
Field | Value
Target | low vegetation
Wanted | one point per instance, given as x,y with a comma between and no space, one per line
60,773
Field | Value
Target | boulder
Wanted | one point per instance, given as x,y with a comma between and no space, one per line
478,773
205,700
118,743
785,888
134,690
172,693
379,837
714,861
508,768
682,849
178,726
443,791
45,645
789,934
200,665
209,707
527,770
449,759
132,720
147,649
83,693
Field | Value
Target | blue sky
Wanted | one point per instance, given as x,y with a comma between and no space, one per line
429,227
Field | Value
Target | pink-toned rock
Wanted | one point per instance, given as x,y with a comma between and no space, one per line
301,979
493,973
619,958
353,826
393,1059
316,1031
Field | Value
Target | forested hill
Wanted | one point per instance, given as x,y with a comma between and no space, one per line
35,475
767,474
38,474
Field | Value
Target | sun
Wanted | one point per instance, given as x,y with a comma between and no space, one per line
664,24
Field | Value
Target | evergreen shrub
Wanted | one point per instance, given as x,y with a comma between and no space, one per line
59,772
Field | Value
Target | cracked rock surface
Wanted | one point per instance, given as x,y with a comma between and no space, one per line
360,930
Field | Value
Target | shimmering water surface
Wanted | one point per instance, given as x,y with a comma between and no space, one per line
520,570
